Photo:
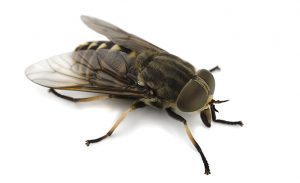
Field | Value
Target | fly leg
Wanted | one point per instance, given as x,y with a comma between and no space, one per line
88,99
135,105
217,68
214,118
181,119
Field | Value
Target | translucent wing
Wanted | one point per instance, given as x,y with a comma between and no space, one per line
102,71
119,36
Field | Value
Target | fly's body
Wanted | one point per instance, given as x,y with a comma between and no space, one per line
162,75
128,67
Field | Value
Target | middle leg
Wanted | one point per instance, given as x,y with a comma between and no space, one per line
135,105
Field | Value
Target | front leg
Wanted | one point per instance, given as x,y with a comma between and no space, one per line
189,133
214,118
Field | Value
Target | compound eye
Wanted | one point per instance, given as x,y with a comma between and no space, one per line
208,78
193,96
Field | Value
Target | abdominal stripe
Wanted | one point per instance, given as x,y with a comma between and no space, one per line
96,45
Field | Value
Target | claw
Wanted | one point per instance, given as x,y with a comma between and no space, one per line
241,123
207,172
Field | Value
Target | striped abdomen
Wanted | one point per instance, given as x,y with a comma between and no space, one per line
97,45
104,63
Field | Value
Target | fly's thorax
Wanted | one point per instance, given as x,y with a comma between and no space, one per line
143,59
164,74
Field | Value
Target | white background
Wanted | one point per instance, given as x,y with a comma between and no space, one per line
256,43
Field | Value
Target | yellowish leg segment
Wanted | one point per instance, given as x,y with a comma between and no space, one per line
134,106
188,131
